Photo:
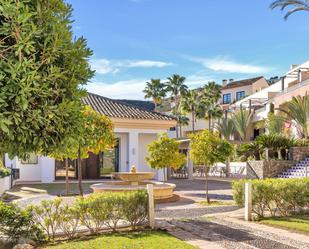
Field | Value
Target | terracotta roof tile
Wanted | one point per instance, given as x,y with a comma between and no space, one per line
239,83
118,109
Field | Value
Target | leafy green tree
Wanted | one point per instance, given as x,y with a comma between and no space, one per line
207,148
155,90
189,104
275,123
164,152
298,110
242,119
96,134
293,5
177,88
42,70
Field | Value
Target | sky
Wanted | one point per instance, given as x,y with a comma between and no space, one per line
203,40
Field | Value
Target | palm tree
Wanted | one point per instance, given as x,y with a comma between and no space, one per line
155,89
298,110
212,91
177,88
183,121
210,109
241,119
190,103
226,128
296,5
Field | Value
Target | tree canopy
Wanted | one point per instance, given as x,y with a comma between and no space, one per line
42,70
164,152
207,148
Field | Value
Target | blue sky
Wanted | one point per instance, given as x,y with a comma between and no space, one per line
135,40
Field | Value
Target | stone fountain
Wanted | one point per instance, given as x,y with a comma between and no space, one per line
134,180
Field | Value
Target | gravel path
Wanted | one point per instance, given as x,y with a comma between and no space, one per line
190,213
234,236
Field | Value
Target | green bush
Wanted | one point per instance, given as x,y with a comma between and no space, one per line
275,196
95,212
4,172
17,223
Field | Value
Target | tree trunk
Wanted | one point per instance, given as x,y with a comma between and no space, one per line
79,168
206,183
209,121
66,161
227,167
193,120
180,130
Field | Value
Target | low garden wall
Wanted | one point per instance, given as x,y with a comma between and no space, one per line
299,153
5,184
267,168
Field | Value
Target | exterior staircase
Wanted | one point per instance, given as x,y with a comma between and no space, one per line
299,170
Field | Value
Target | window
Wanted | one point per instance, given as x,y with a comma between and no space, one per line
172,128
227,98
240,95
31,159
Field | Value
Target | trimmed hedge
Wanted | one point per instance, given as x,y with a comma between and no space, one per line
276,196
94,212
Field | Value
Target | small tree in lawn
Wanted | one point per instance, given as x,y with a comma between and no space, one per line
95,135
207,148
164,153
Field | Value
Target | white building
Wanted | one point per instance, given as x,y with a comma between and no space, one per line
134,127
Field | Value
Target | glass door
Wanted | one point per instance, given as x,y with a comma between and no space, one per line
109,161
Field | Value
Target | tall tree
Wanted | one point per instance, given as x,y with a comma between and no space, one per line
155,90
242,119
226,128
298,110
96,135
177,88
293,5
210,109
207,148
189,104
183,121
42,70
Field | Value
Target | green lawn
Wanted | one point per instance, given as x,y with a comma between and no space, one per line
297,223
141,240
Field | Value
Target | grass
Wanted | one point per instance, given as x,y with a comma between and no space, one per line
298,223
217,203
138,240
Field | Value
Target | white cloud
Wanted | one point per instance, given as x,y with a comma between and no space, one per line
126,89
224,64
198,80
148,63
105,66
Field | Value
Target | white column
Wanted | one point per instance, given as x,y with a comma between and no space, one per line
133,149
248,201
47,169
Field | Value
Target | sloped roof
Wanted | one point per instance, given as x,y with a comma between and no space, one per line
119,109
239,83
146,105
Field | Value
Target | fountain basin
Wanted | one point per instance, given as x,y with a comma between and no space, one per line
134,177
161,190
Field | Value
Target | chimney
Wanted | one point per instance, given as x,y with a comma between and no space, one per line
224,82
293,66
231,80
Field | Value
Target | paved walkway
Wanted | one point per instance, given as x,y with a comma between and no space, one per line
219,227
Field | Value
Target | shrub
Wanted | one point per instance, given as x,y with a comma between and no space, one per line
17,223
47,215
4,172
68,221
276,196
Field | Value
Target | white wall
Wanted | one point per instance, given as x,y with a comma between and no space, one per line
5,184
123,151
47,169
29,172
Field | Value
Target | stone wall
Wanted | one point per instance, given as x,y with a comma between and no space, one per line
298,153
267,168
